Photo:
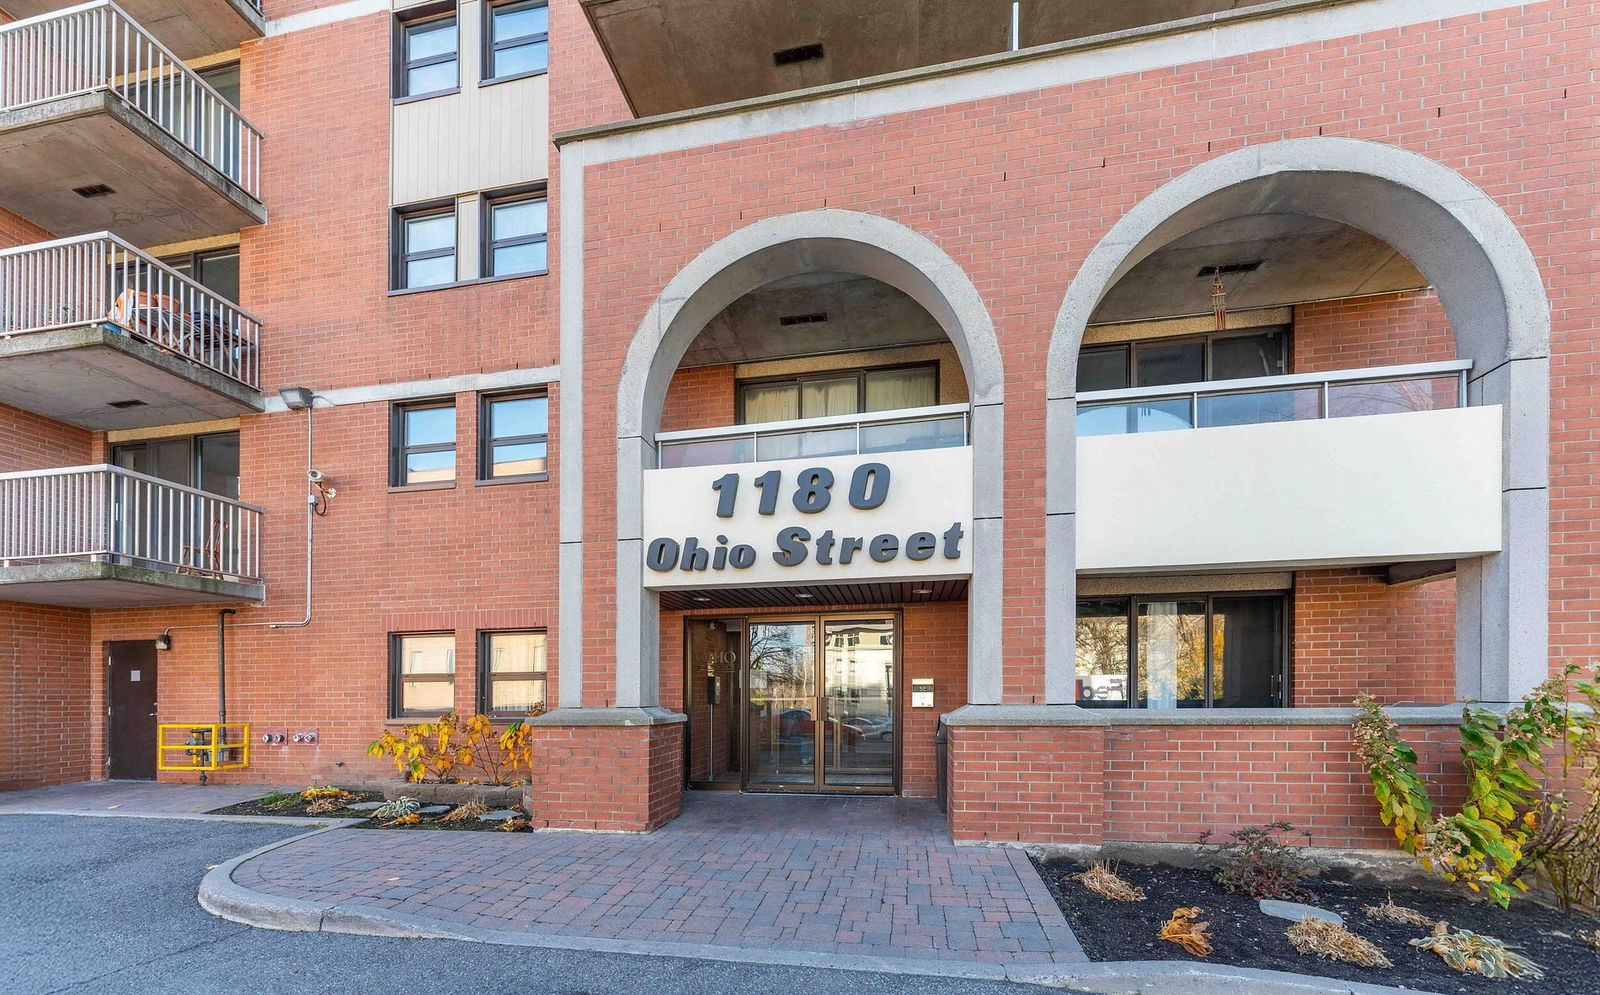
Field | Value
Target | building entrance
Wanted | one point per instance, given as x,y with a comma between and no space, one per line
794,703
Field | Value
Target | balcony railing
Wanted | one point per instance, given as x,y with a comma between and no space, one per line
96,46
1296,397
101,278
937,427
108,514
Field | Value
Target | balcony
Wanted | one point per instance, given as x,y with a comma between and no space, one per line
938,427
104,537
95,333
191,28
102,126
1362,467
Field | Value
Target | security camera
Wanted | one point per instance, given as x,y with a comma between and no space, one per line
315,476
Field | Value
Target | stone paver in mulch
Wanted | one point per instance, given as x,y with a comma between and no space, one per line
861,876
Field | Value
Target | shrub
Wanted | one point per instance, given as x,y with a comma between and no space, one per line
464,751
397,808
1257,863
1508,828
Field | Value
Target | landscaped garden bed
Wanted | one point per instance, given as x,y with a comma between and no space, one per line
1242,935
402,812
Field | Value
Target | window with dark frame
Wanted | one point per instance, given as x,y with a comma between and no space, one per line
516,234
422,673
513,436
425,246
1229,355
1183,651
838,392
516,40
217,270
427,55
423,443
512,670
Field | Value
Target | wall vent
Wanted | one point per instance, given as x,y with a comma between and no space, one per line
126,404
1227,268
800,53
814,318
93,190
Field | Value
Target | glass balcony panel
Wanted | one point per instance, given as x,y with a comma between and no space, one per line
940,433
1393,396
1131,417
1261,407
799,445
708,452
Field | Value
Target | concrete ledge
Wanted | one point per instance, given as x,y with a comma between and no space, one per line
650,715
79,584
1072,715
1176,977
1380,867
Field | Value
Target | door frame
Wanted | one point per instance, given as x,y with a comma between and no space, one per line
689,676
110,700
818,787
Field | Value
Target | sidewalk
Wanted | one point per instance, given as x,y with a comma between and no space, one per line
128,798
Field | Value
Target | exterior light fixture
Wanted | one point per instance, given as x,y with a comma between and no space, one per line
804,594
701,597
164,641
296,398
922,590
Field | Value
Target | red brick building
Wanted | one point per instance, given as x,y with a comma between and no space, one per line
1126,390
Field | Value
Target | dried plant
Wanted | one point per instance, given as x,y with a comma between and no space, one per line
321,792
471,810
1471,953
514,825
409,819
1591,937
1390,912
1102,879
1330,940
1186,933
322,806
397,807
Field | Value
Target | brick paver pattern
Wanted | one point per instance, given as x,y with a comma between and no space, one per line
869,876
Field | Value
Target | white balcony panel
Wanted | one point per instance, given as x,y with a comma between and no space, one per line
1377,489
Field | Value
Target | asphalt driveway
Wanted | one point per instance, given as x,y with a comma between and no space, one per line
108,905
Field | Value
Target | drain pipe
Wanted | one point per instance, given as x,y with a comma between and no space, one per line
222,667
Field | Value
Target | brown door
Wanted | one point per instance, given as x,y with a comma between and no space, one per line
132,733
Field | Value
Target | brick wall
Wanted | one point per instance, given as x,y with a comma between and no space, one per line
616,778
46,673
1353,633
1385,330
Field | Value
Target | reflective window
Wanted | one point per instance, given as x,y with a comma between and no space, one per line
518,40
422,668
426,253
516,235
1223,651
512,667
1189,359
424,443
428,60
838,392
514,440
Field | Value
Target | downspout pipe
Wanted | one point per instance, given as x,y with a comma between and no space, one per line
222,666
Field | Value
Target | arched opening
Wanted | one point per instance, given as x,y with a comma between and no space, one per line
1216,304
826,341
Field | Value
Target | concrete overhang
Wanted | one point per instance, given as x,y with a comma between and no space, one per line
117,585
673,55
162,192
76,374
191,28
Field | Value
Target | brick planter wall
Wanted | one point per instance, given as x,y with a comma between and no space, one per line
616,778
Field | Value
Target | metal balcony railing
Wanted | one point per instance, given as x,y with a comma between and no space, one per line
101,278
1296,397
97,46
111,515
937,427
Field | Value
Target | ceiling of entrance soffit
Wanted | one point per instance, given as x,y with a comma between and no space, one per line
672,55
1302,259
862,314
814,596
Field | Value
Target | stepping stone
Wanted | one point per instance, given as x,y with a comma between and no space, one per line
433,809
364,806
500,816
1295,912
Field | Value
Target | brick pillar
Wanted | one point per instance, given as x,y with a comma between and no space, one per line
594,771
1034,784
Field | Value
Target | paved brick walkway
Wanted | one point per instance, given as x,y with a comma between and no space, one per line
126,798
868,876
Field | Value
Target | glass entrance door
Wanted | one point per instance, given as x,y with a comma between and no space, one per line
821,695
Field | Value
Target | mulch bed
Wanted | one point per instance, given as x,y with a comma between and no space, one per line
1242,935
297,809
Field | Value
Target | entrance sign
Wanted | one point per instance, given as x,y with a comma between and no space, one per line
834,519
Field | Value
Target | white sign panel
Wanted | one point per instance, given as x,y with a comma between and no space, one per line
833,519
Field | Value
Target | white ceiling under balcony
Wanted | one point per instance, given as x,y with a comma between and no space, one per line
672,55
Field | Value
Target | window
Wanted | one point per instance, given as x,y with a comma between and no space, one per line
1218,356
513,437
216,271
422,673
511,672
516,40
516,233
209,462
425,247
839,392
424,444
427,60
1222,651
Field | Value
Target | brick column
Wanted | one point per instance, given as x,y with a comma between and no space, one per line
617,769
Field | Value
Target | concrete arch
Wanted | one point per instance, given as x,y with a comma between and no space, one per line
1499,313
768,250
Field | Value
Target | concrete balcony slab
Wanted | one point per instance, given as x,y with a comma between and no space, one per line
83,584
191,28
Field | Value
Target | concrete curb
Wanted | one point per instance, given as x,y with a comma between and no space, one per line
221,896
280,820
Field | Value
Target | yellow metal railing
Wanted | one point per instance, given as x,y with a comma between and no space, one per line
202,746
